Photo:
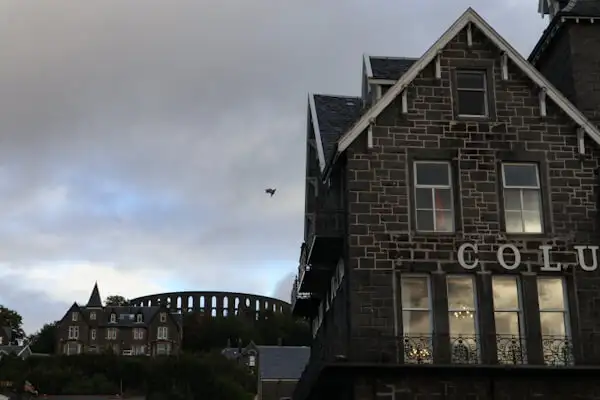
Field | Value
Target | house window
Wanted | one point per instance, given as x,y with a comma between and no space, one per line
163,317
93,334
75,316
163,333
73,332
508,317
471,91
522,198
554,321
433,196
462,318
163,348
72,348
252,361
139,318
139,350
111,333
416,319
138,333
93,315
113,318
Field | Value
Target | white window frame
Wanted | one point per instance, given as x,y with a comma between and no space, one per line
162,333
111,334
538,188
519,311
93,334
138,333
139,318
74,316
432,189
73,333
163,317
470,341
429,308
113,318
93,315
564,310
483,90
72,345
166,349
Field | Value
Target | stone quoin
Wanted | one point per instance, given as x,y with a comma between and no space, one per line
514,252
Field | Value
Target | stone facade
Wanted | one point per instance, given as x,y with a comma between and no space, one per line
360,319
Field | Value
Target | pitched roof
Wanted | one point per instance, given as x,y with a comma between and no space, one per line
582,8
469,16
95,299
389,68
333,116
282,362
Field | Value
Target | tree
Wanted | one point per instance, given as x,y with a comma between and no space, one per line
116,300
13,320
44,340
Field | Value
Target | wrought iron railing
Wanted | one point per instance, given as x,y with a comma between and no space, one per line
326,223
511,349
557,351
418,349
465,350
296,294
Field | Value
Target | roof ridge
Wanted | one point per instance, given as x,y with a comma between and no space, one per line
395,58
336,95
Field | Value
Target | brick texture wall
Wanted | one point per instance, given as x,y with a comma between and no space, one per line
382,238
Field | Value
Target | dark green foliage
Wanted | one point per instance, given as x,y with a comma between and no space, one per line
44,340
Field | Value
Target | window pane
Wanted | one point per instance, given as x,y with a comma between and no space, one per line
470,79
512,199
550,294
531,200
415,292
432,174
553,323
461,293
532,222
506,295
462,324
514,221
471,103
424,199
507,323
425,221
444,221
443,199
416,322
520,175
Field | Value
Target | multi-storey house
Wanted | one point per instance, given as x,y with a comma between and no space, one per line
452,223
125,330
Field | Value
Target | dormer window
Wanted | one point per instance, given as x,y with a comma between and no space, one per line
252,361
75,316
113,318
93,315
163,317
139,318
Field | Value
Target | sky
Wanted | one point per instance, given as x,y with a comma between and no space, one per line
137,137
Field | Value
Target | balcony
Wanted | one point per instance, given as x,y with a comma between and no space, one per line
303,304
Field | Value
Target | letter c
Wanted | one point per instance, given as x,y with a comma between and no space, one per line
461,255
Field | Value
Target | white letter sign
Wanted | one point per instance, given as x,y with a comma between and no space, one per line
546,258
581,259
516,253
461,256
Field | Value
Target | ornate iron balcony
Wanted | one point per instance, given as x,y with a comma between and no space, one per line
418,349
557,350
465,350
511,349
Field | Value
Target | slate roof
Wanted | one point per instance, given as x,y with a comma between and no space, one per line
11,349
95,299
583,8
282,362
335,115
390,67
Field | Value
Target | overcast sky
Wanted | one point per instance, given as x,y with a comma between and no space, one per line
137,136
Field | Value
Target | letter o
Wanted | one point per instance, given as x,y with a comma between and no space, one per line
500,256
461,256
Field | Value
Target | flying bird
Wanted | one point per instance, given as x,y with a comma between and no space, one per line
270,191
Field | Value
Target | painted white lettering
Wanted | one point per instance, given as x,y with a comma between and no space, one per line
546,258
516,253
581,259
461,255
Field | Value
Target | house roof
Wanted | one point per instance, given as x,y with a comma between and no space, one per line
468,17
95,299
282,362
388,68
14,349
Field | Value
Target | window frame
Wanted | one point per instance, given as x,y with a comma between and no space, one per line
162,333
138,334
473,341
565,299
93,334
429,304
520,311
113,318
163,317
110,335
484,90
74,316
433,188
93,315
139,318
504,187
73,333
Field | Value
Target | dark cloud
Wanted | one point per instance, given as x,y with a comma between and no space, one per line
142,134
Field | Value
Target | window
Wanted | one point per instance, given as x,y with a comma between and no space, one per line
252,361
72,348
163,317
75,316
93,334
93,315
111,333
508,318
73,332
416,319
163,348
554,321
139,318
163,333
138,333
139,350
113,318
463,321
471,91
522,198
433,196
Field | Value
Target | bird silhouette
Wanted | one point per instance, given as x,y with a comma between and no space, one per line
270,191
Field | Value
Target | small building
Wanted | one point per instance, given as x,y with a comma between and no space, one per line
11,346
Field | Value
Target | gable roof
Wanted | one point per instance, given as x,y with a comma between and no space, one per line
282,362
469,16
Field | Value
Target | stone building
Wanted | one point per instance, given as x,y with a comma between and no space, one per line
124,330
452,224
